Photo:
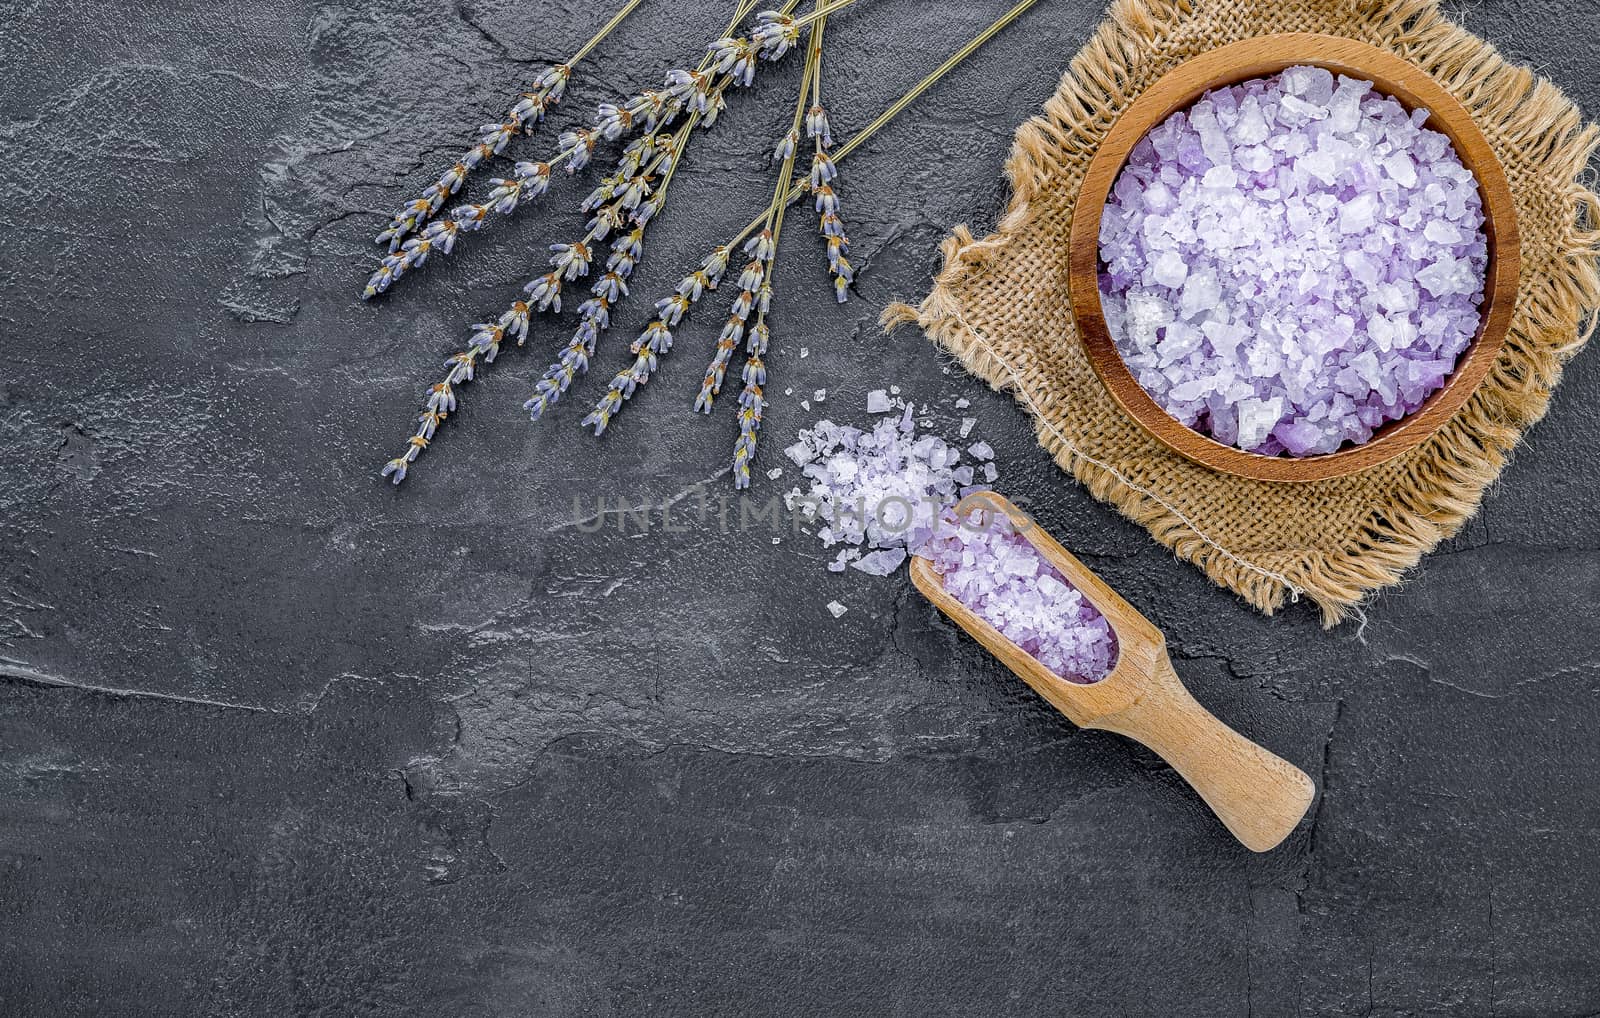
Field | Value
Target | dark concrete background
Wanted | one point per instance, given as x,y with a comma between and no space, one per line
276,739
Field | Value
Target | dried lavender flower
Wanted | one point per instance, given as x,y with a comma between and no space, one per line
757,279
647,111
522,117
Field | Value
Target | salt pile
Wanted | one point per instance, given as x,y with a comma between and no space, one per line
1293,261
880,490
998,573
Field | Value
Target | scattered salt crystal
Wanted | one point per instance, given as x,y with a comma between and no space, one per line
788,392
805,404
967,424
878,402
800,452
997,573
963,403
1292,261
775,473
835,608
894,390
820,395
981,450
805,352
880,563
990,472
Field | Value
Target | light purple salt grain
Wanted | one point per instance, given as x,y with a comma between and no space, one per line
1292,262
880,563
998,573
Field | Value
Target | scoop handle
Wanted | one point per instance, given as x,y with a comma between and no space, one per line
1258,796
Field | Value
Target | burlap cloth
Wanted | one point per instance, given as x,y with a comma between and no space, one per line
1000,306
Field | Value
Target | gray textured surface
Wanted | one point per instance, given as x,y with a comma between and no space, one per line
278,740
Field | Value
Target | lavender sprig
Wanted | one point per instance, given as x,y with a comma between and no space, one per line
634,201
529,112
656,340
646,111
734,60
822,177
524,115
764,247
698,93
531,179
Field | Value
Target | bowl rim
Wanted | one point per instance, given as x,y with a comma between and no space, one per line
1260,57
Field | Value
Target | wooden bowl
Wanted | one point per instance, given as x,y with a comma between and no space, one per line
1256,58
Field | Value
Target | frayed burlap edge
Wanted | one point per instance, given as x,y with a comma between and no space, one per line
1428,494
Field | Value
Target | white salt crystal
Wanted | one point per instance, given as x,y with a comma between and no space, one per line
1359,213
981,451
805,404
775,473
1313,84
1252,127
990,472
1299,111
967,424
1401,169
804,353
1445,277
836,609
1170,269
1256,418
1202,292
820,395
1319,164
1344,107
877,402
1440,232
963,403
880,563
1147,312
894,390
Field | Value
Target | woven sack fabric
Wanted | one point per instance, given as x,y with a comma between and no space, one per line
1000,305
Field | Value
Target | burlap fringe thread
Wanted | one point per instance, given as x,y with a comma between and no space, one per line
999,305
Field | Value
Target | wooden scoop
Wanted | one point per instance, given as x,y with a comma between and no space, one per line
1258,796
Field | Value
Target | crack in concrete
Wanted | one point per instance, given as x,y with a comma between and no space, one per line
465,17
20,673
23,675
1516,688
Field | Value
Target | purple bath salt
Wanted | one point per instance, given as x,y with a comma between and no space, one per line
998,573
1292,262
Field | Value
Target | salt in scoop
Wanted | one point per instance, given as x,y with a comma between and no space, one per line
1258,796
